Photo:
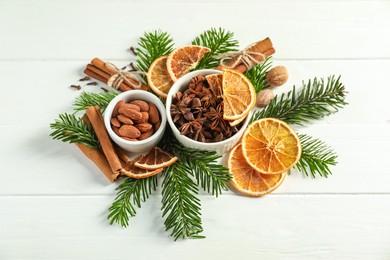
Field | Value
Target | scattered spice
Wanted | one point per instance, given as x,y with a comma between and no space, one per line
104,89
93,83
133,50
86,78
133,68
78,87
198,111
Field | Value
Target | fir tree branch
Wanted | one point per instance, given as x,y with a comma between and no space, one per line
180,204
316,100
151,46
212,177
87,99
70,129
130,195
316,157
219,41
257,75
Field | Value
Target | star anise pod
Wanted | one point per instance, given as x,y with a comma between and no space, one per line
190,127
178,112
177,97
196,82
216,119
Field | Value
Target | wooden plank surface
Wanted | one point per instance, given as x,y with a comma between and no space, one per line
273,227
299,29
54,201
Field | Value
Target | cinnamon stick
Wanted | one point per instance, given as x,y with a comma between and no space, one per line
102,76
122,155
98,158
110,70
264,46
96,119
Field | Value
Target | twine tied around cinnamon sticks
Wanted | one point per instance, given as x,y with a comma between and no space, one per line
123,80
247,56
116,80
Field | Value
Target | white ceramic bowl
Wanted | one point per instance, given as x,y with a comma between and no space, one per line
220,147
142,146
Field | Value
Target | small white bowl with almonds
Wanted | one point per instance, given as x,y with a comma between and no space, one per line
135,120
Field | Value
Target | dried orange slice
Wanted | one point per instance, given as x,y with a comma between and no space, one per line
158,78
183,59
215,83
155,159
239,95
237,121
137,173
247,180
271,146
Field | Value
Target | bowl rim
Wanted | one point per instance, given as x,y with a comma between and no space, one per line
175,87
127,96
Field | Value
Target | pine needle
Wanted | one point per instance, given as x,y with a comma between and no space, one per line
151,46
131,193
316,157
257,75
180,205
87,99
219,41
211,176
70,129
316,100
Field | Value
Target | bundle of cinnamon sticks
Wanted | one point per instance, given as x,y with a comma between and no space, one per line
265,47
103,71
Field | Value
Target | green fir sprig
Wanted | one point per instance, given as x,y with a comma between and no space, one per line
131,193
219,41
87,99
316,157
69,128
257,75
151,46
180,205
211,176
316,100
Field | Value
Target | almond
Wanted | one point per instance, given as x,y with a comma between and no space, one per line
156,126
130,113
130,139
144,119
154,116
125,120
144,127
129,131
115,111
115,122
129,106
141,104
145,135
115,129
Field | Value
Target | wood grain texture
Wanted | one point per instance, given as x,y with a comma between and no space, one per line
54,201
274,227
299,29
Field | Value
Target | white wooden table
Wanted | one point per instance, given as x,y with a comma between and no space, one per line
54,202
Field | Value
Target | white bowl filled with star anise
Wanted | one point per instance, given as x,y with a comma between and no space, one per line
202,109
